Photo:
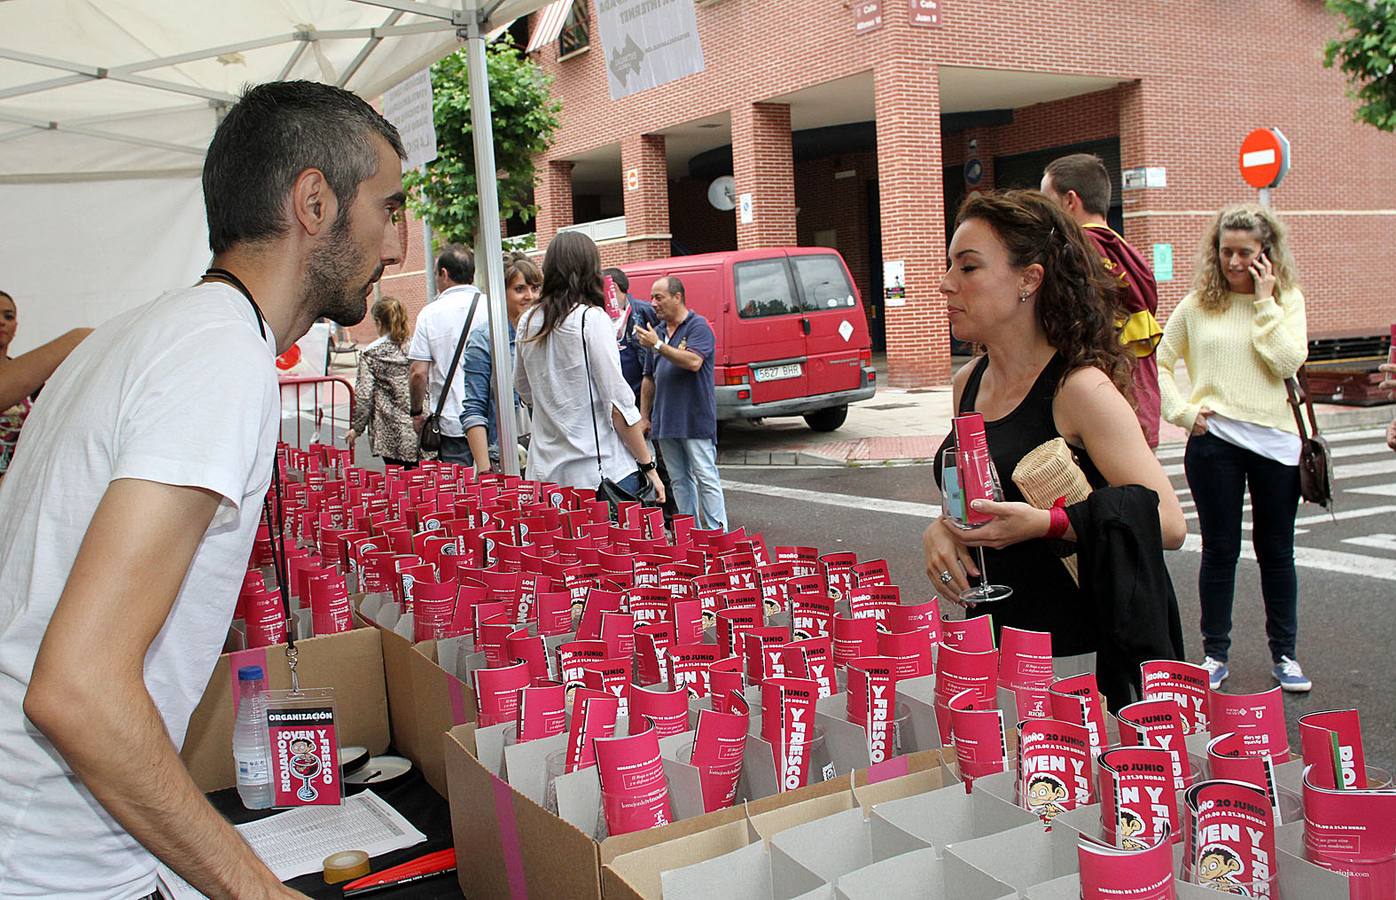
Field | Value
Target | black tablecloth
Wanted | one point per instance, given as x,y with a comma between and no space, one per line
417,802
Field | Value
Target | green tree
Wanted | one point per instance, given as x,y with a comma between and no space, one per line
525,118
1366,52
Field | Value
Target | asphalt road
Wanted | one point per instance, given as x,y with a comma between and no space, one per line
1347,567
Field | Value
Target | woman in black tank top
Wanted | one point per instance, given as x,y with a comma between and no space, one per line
1023,284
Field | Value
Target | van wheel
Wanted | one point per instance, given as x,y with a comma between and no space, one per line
827,419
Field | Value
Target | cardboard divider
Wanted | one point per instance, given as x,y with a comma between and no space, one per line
424,699
351,662
787,848
819,852
510,846
740,874
938,818
919,875
1020,857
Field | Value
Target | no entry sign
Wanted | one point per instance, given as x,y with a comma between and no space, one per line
1264,158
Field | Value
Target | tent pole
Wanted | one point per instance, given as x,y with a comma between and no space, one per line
492,245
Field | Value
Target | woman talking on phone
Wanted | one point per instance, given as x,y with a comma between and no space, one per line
1241,332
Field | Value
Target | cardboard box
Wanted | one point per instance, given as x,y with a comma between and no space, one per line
350,662
735,862
438,702
424,700
1021,857
919,875
938,818
509,846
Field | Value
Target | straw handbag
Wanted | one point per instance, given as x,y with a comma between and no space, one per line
1049,472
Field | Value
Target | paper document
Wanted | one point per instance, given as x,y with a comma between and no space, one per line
296,842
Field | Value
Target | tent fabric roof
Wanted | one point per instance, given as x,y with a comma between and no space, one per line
133,88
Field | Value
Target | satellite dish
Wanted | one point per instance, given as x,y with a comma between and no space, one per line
722,193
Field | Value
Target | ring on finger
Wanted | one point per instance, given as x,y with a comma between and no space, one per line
946,577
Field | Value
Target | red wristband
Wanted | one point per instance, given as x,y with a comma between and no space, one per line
1059,522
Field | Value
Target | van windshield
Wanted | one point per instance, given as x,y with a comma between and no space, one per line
823,283
764,289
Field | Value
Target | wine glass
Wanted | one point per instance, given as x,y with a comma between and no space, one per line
983,592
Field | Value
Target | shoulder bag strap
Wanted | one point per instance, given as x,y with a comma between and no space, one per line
455,360
1303,379
591,400
1295,392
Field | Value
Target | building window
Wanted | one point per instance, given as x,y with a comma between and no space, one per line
575,36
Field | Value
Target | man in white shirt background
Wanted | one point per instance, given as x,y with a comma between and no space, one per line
434,343
127,519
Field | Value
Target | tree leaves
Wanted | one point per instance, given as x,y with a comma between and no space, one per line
1365,53
525,120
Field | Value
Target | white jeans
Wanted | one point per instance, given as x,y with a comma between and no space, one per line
692,465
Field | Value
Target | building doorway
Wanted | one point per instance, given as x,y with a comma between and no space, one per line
1024,170
877,323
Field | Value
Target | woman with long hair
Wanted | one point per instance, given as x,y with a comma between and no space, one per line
568,372
1025,284
382,397
1241,332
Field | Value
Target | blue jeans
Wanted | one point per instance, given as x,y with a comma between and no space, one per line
692,464
1219,473
456,450
633,482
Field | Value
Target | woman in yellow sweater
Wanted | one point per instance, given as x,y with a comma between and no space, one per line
1241,333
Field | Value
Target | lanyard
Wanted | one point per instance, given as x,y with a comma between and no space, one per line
276,533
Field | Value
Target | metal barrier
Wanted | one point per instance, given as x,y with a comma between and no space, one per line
316,397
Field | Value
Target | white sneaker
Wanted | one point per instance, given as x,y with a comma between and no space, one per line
1217,671
1291,677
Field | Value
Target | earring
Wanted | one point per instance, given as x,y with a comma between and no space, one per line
1023,297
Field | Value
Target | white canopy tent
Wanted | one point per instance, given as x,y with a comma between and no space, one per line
106,107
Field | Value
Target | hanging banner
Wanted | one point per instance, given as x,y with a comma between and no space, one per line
647,43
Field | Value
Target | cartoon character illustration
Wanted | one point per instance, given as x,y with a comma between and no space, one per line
771,604
1217,869
1045,796
305,765
1128,830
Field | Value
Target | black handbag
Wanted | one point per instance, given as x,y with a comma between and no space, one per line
429,441
607,490
1315,457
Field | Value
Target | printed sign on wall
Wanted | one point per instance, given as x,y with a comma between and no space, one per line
648,43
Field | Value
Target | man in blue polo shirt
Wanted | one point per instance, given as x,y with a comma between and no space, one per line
677,398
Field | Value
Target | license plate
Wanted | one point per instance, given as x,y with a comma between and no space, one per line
777,373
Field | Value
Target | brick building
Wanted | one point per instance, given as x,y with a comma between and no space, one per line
862,130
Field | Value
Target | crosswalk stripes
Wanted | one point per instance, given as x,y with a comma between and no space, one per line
1363,469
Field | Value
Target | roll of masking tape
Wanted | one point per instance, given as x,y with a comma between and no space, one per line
345,866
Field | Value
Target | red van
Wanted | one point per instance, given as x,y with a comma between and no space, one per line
792,338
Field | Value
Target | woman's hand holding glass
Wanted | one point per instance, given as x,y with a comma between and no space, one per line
1013,523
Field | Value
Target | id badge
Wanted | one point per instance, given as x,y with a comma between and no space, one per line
304,748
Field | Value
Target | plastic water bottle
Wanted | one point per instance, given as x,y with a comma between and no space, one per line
250,741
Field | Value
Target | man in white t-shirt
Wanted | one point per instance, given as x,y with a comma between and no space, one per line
127,520
434,341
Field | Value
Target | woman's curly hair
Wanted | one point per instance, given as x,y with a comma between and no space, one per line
1078,305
